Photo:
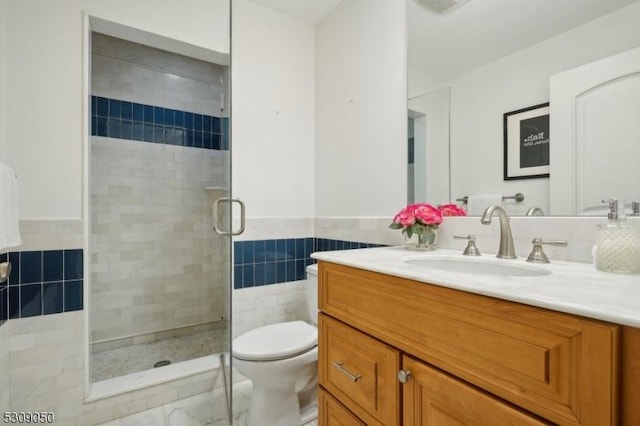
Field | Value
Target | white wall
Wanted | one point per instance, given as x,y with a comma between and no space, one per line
44,86
480,98
272,151
361,110
273,119
202,23
420,83
3,71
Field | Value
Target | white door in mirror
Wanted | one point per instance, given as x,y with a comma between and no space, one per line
594,132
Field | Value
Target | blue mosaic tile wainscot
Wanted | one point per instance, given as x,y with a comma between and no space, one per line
264,262
51,281
42,283
119,119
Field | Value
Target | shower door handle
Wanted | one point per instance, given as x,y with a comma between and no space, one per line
216,216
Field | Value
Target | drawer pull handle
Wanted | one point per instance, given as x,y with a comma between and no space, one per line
404,376
339,366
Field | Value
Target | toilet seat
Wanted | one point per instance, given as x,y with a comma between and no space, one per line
275,342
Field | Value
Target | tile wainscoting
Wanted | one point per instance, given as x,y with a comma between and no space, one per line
265,262
47,273
43,282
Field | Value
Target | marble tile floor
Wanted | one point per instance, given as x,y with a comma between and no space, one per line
204,409
131,359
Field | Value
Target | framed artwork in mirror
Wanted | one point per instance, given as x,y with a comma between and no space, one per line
526,143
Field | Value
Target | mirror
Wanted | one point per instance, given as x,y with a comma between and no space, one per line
498,57
428,169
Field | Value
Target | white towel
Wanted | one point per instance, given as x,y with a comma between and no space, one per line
477,204
9,230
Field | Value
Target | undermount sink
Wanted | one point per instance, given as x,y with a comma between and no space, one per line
476,266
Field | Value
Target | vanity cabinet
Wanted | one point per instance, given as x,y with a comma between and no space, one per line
470,359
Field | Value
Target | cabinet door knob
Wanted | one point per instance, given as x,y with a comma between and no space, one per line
404,376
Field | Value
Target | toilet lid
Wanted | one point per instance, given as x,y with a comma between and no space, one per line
276,341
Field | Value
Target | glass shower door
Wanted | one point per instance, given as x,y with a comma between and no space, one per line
158,157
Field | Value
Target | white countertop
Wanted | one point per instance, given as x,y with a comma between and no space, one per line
575,288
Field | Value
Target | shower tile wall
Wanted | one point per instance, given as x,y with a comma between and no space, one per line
144,75
152,247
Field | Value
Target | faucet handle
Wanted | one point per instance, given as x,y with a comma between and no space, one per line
471,249
537,254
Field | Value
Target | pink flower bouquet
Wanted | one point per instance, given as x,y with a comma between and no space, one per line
423,217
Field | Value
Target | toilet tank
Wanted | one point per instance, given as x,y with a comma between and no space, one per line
311,289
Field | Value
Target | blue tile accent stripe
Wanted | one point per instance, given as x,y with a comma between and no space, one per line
264,262
325,244
119,119
42,283
51,281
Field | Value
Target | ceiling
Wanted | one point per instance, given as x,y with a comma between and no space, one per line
446,45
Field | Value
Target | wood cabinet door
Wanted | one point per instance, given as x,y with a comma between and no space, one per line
433,398
360,371
332,413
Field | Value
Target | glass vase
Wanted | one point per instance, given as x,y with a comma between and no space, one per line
423,241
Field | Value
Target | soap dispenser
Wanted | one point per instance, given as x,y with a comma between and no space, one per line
618,242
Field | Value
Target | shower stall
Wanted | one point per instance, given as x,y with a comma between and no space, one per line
158,158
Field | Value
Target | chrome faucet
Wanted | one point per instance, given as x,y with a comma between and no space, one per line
506,249
534,211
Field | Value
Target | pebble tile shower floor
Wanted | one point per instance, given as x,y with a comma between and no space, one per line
131,359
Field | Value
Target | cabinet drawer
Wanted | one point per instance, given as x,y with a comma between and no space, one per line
332,413
546,362
360,371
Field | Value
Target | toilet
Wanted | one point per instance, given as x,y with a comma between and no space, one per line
281,361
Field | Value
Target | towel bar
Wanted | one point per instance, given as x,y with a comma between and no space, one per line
519,197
